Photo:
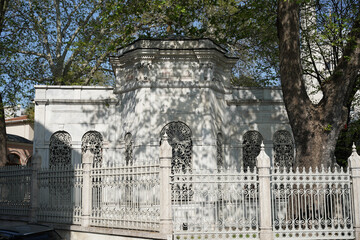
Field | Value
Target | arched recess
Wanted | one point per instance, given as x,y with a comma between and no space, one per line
60,149
179,137
93,141
251,148
13,159
128,139
283,149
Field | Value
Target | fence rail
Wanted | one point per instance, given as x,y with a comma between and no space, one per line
15,186
126,196
212,204
312,205
60,195
261,203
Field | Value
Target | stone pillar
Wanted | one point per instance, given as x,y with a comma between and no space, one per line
87,160
354,163
34,192
165,156
263,165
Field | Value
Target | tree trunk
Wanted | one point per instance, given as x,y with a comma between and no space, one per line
317,143
316,127
3,147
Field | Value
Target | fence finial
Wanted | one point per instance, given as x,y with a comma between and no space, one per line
262,160
354,159
353,147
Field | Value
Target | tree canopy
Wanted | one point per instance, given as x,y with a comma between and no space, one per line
68,42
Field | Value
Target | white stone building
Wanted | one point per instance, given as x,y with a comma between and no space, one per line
178,86
177,92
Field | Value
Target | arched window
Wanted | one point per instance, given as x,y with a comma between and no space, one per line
219,150
13,159
284,149
179,137
60,149
93,141
128,149
251,148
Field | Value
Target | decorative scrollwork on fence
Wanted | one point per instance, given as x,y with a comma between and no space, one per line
179,137
93,141
128,149
251,148
219,150
284,149
60,149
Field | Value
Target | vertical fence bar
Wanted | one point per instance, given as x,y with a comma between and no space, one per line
87,160
34,192
354,161
263,165
165,189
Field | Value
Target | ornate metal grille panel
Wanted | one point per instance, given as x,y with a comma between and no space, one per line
60,194
93,141
311,205
60,149
219,151
222,205
284,149
126,196
128,149
251,148
179,138
15,185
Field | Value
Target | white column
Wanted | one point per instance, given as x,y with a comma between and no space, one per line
354,163
165,156
263,165
34,194
87,160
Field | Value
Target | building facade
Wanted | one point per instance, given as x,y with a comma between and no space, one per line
180,87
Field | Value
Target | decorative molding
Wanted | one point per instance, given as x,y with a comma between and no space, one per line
240,102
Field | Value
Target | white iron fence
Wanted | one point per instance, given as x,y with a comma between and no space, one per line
212,204
60,190
312,205
194,204
126,196
15,185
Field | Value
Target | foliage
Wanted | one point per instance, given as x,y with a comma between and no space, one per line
348,136
325,27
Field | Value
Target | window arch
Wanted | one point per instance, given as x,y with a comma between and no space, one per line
93,141
251,148
283,149
179,137
60,148
13,159
128,149
219,150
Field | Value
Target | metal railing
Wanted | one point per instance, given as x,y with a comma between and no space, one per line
15,188
194,204
212,204
312,204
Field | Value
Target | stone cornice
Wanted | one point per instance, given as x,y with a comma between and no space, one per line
239,102
108,101
131,86
74,87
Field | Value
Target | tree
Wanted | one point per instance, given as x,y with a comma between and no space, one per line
316,126
3,8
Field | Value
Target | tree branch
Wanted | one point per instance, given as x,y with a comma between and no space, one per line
68,45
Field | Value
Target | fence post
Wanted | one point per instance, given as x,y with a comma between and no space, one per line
34,191
165,189
263,165
354,163
87,160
